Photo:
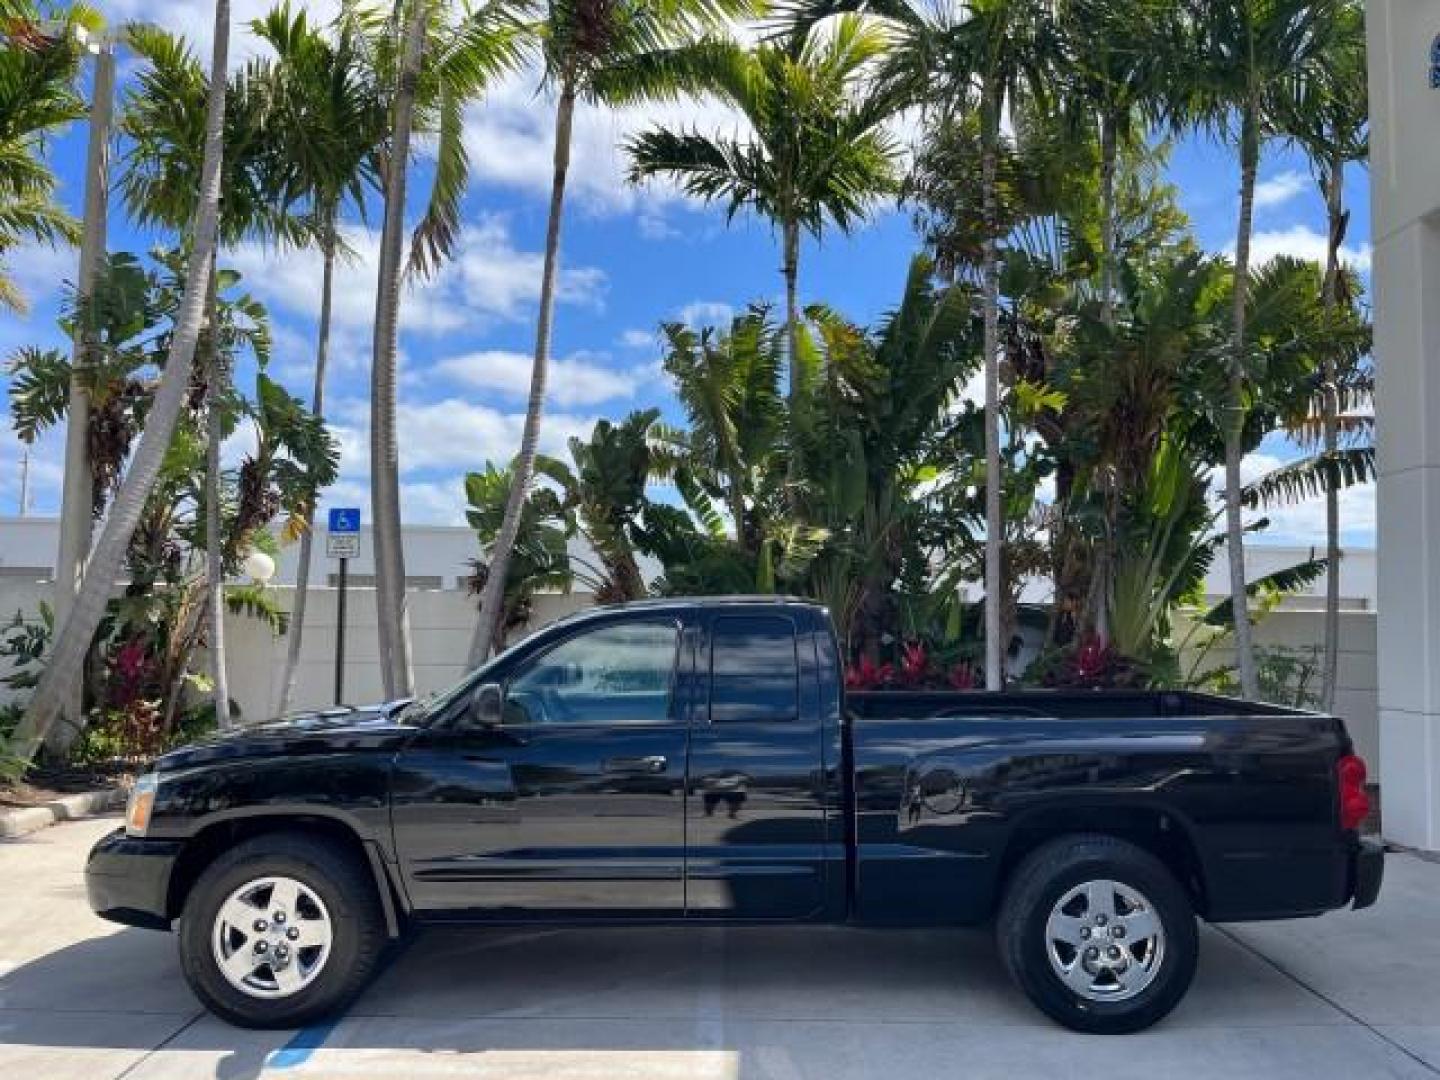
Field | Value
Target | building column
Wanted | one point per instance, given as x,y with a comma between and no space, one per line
1405,225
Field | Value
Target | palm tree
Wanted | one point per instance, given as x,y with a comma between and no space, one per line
73,638
1245,56
37,99
1115,66
986,55
818,152
605,492
164,118
883,408
728,383
463,57
328,123
604,52
1330,116
541,560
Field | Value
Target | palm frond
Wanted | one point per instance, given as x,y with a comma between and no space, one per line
1311,477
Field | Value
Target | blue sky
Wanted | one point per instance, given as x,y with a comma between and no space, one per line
631,259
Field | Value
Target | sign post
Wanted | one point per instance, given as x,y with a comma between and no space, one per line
342,541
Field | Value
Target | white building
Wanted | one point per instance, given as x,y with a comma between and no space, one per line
1404,60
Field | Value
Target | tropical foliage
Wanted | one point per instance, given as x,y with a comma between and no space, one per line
139,667
1024,470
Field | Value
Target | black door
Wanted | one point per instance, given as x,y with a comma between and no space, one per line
755,804
573,807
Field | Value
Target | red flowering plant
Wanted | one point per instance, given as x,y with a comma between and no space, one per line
1090,663
916,668
914,665
866,674
961,676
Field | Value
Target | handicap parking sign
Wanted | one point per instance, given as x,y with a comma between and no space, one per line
345,519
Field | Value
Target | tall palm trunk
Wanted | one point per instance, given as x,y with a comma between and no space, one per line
317,407
78,494
791,270
493,595
73,637
1235,409
1334,184
1100,585
790,267
390,603
214,538
1108,153
994,520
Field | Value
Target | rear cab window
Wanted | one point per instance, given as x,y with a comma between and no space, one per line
754,670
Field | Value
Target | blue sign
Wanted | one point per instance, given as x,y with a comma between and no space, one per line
345,519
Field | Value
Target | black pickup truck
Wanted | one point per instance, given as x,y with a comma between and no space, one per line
698,761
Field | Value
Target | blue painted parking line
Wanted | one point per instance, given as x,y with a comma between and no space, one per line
301,1046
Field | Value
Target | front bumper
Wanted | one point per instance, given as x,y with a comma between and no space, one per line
128,879
1369,872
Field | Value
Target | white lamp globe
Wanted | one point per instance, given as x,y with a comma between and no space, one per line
259,567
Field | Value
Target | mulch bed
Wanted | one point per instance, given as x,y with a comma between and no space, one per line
45,785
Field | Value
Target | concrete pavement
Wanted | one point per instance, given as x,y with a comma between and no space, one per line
1354,994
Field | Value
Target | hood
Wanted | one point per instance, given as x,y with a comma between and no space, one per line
322,731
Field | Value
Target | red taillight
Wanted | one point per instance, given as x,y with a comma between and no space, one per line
1354,802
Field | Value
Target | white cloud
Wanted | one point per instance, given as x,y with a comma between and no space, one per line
639,339
510,135
439,443
195,19
487,281
1302,242
1302,523
1281,188
579,379
42,272
701,313
448,435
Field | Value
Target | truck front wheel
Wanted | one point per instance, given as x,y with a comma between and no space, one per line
1098,934
279,931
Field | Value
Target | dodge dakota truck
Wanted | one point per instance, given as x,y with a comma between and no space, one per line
700,762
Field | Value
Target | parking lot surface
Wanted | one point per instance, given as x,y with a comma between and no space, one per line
1350,994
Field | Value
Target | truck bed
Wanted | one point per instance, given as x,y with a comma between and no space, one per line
949,789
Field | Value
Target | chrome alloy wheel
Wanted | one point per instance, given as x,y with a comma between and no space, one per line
272,937
1105,941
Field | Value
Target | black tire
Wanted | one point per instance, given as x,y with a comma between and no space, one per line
357,927
1043,879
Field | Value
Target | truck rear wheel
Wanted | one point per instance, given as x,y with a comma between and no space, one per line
279,931
1098,934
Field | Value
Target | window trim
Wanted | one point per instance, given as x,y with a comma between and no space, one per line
528,662
713,635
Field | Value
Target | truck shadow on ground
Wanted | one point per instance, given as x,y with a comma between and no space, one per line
667,990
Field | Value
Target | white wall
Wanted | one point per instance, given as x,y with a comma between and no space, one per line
441,622
1355,690
440,626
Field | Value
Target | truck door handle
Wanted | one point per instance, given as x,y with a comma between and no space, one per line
655,763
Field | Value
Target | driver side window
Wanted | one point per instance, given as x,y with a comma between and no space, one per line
617,674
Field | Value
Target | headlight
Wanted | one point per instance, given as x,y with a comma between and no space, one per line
142,801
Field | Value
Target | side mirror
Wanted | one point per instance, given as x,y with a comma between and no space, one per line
487,705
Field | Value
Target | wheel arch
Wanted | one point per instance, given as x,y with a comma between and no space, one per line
1156,829
219,836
